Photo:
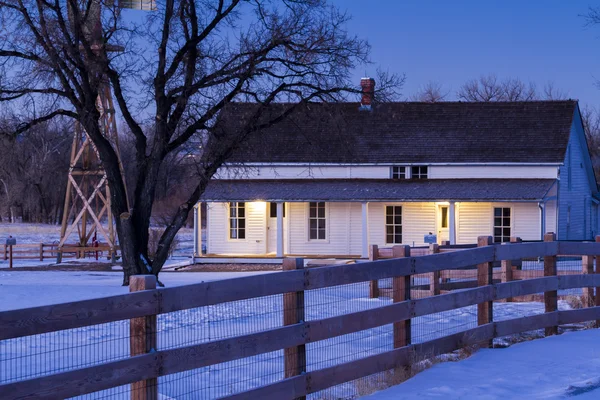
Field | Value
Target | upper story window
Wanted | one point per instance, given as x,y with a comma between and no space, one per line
316,220
398,172
419,172
502,222
237,220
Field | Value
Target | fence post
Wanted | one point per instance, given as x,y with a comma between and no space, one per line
507,268
518,264
142,339
401,292
4,253
485,310
10,256
373,285
587,265
41,251
434,277
293,313
550,297
597,297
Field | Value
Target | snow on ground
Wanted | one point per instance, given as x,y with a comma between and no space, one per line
24,289
556,367
38,355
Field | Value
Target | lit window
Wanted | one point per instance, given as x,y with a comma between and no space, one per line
398,172
419,172
501,224
273,210
237,220
393,224
316,220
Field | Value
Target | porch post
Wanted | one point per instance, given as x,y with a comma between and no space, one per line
451,224
279,229
365,230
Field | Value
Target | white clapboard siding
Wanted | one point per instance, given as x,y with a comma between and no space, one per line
525,221
492,171
343,230
307,171
418,219
474,219
218,231
551,216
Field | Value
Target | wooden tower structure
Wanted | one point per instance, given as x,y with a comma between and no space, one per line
87,216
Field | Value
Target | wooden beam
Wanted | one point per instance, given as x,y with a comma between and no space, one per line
374,284
484,278
550,297
434,277
293,313
401,293
142,339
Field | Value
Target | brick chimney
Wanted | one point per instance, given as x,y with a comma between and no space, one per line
368,90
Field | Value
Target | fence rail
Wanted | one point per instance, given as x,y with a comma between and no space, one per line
42,251
296,332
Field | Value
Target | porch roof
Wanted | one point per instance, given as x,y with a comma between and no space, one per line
349,190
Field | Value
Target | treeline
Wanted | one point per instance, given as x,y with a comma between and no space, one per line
34,168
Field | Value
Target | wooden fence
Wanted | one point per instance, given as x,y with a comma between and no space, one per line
43,251
147,363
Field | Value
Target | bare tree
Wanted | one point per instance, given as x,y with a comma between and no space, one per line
486,88
192,58
551,92
430,93
490,88
591,123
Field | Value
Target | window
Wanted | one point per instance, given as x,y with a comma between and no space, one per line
398,172
316,220
419,172
237,220
273,210
393,224
501,224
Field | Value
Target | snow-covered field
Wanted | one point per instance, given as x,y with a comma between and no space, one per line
557,367
37,355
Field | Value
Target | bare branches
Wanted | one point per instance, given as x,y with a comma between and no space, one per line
490,88
431,92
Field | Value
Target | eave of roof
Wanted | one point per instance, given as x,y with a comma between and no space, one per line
378,190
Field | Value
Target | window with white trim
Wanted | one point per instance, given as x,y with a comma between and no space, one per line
237,220
502,222
393,224
419,172
316,220
398,172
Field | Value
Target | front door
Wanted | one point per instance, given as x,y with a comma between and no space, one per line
443,223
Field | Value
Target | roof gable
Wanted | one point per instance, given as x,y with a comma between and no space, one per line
406,132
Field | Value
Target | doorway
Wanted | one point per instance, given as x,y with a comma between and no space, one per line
443,223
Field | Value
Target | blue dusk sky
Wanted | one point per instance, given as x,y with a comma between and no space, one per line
451,42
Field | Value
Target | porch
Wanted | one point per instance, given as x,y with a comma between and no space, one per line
320,219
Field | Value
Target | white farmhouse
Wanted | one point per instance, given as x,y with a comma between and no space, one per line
330,180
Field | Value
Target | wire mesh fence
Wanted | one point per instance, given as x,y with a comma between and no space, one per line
49,353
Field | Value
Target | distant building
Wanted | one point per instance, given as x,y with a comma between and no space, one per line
333,179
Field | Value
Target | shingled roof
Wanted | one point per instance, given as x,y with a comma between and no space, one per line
452,132
378,190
